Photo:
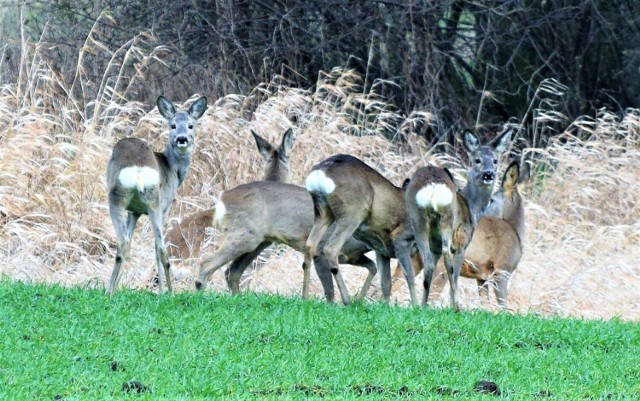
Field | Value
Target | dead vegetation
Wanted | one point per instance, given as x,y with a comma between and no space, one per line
581,252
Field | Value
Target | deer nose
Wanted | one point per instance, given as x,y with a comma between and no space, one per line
488,176
182,141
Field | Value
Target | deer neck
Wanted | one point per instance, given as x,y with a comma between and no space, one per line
277,171
477,198
178,163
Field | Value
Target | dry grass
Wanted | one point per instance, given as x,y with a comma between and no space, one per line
583,219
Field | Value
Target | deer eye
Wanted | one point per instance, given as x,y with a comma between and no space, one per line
495,161
477,161
173,126
190,126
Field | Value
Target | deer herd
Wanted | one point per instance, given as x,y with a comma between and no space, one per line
345,210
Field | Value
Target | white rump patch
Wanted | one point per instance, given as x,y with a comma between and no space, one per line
139,177
318,182
221,210
435,196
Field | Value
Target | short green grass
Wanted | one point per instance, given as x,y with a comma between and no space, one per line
73,343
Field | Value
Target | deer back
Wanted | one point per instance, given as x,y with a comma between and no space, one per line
351,187
271,211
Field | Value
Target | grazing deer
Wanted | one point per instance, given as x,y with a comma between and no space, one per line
496,246
252,216
442,224
141,181
359,201
185,239
351,199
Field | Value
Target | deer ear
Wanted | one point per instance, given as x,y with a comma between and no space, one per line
166,108
446,170
511,176
470,141
503,140
264,146
198,108
287,142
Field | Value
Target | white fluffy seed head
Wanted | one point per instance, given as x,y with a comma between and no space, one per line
139,177
221,210
434,196
318,182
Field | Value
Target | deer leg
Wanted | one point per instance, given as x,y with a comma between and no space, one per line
306,277
453,263
124,230
416,261
403,253
371,267
239,265
162,259
323,271
397,273
384,265
343,230
501,281
323,220
132,219
483,288
229,250
428,263
438,281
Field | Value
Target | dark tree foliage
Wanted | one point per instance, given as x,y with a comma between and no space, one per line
463,61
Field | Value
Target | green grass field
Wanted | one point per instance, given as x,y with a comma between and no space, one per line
61,343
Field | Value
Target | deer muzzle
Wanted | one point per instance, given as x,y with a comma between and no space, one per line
488,177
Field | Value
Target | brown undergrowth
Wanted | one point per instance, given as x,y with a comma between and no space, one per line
583,220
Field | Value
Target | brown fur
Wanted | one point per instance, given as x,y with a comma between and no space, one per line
363,204
185,239
496,245
439,230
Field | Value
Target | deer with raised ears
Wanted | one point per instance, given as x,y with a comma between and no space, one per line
141,181
276,161
252,216
481,174
185,239
442,224
496,245
351,199
484,160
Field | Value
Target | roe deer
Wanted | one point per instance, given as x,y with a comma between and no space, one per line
496,245
252,216
185,239
276,161
361,202
441,222
141,181
356,201
481,173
